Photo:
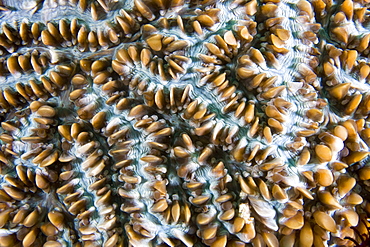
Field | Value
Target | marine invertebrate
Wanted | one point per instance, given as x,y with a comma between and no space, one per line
184,123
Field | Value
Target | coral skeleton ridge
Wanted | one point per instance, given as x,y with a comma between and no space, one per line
222,123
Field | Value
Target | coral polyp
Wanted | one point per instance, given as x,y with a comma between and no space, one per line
184,123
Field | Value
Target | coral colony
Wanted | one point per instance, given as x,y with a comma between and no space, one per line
222,123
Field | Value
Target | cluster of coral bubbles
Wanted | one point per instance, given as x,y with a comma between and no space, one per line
222,123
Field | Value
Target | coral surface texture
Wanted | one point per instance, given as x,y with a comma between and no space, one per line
170,123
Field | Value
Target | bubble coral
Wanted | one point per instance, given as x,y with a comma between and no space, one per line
184,123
